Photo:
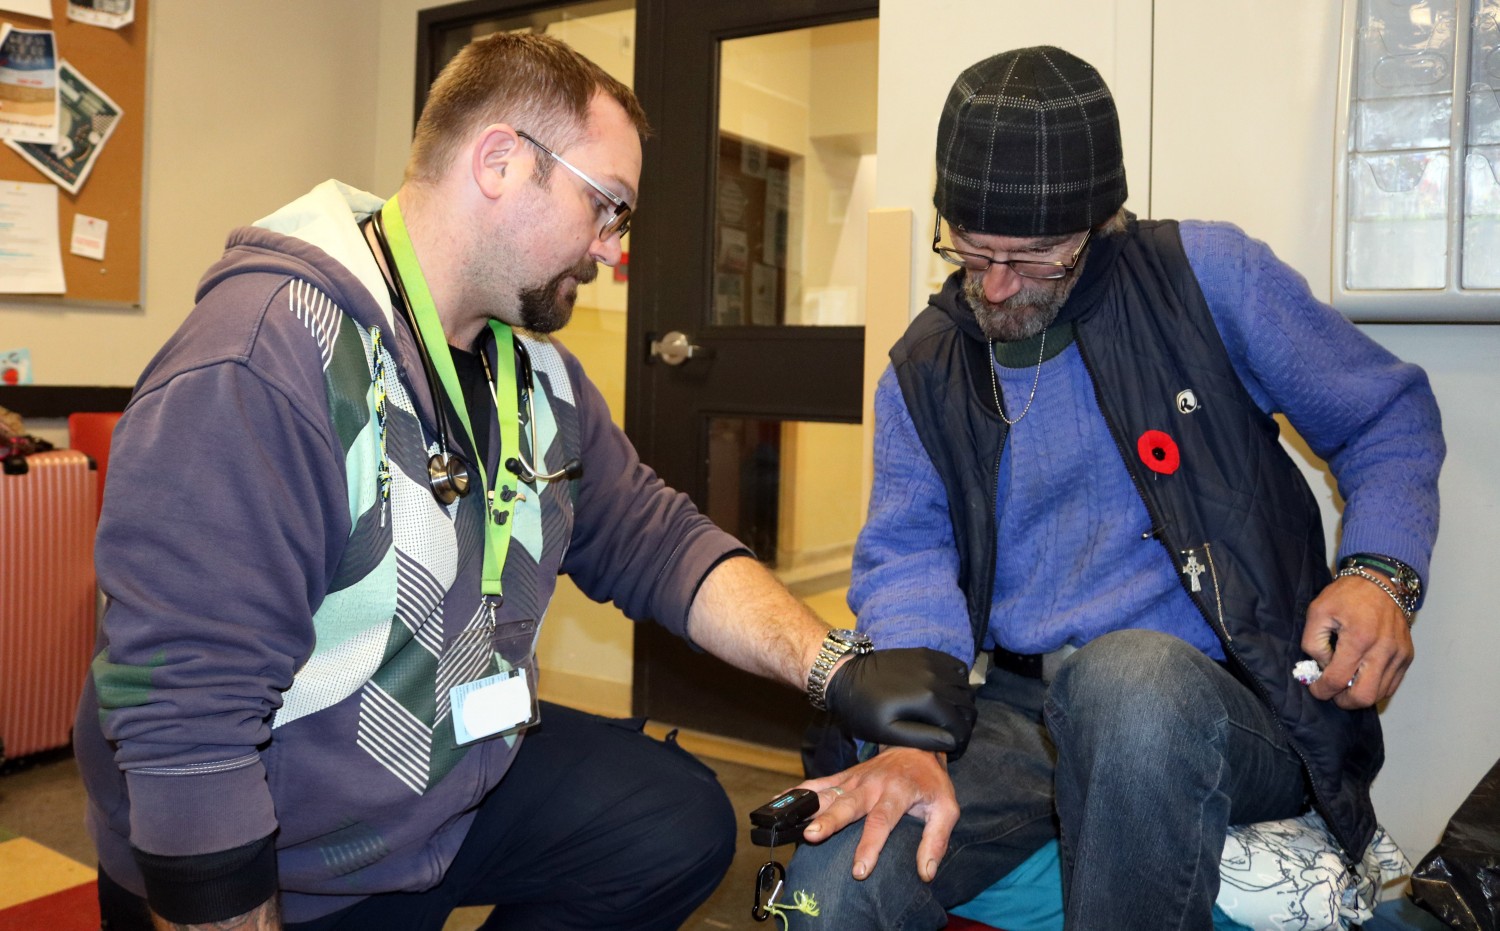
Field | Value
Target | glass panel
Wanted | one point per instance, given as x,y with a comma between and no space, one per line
1481,256
789,490
1398,220
560,21
795,176
1481,235
1404,96
1402,115
1484,74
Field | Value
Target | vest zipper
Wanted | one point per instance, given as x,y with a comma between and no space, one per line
994,556
1158,530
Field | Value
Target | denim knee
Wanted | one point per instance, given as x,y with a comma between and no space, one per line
891,897
1137,689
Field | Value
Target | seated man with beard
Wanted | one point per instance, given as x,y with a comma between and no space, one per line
1077,471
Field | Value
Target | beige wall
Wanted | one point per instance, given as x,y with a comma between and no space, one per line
249,105
1239,103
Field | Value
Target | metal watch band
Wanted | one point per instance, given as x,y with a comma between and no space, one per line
835,644
1404,577
1404,584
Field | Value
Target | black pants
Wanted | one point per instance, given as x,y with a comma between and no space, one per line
595,826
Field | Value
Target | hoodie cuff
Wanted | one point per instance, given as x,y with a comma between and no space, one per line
209,887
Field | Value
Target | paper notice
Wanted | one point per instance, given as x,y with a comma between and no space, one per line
41,9
111,14
89,236
30,253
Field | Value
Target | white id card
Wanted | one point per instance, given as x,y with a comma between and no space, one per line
493,705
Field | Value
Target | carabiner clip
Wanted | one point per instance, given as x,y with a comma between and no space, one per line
772,877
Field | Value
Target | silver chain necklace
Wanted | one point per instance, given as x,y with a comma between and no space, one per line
1041,353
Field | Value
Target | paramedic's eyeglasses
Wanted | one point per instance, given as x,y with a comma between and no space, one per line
1026,268
618,223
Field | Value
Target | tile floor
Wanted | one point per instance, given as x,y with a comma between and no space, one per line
43,802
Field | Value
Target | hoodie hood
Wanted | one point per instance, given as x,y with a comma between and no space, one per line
316,238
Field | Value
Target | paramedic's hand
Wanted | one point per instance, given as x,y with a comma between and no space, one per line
898,781
1361,639
906,697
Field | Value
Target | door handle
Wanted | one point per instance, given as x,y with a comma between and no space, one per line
676,348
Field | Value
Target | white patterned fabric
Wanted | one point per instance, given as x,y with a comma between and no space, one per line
1273,875
1289,874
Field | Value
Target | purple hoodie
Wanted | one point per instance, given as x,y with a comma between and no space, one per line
220,711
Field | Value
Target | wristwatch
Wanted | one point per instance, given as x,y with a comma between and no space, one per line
1405,585
836,644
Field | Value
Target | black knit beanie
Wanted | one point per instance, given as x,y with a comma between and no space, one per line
1029,145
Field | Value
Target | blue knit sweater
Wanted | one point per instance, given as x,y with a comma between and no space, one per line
1069,565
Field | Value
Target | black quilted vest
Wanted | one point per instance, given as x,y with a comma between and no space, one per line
1237,503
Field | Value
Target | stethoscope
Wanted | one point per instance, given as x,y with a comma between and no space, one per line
518,463
447,471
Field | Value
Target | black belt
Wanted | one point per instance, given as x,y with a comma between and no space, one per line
1032,665
1021,664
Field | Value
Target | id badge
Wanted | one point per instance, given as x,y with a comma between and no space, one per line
505,703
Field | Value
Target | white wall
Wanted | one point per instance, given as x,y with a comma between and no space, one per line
1240,127
924,44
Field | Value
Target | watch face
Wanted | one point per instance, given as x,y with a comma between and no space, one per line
852,637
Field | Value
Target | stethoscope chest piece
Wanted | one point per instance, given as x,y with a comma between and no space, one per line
449,477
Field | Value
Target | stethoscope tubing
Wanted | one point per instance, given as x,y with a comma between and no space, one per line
450,480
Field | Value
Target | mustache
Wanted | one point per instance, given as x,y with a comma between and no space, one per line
583,272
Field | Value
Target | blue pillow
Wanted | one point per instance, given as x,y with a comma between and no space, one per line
1029,898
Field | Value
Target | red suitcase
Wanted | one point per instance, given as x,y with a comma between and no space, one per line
47,597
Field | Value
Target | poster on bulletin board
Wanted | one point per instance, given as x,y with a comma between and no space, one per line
95,155
87,118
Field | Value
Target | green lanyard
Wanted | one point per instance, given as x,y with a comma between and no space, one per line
500,508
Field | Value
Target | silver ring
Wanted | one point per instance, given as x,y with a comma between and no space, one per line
1352,679
837,790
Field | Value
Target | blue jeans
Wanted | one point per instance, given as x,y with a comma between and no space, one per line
1139,756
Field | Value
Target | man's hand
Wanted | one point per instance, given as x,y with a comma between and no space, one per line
907,697
1373,646
264,917
898,781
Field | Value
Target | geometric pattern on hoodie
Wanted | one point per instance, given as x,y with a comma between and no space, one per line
381,629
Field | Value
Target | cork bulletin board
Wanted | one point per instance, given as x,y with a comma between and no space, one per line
113,60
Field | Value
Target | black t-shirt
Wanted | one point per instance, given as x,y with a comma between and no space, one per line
477,398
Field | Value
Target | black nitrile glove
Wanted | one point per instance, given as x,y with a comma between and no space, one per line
906,697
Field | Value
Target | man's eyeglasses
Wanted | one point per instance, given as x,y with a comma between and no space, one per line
1026,268
618,223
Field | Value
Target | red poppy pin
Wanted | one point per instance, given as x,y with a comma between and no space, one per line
1159,452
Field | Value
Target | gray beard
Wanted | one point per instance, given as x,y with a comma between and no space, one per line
1020,316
